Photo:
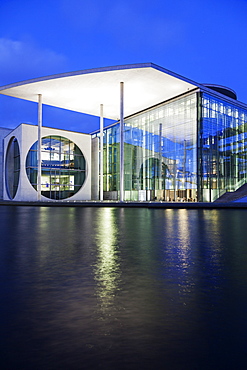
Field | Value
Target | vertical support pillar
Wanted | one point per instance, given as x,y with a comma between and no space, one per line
121,141
101,151
39,146
199,152
160,161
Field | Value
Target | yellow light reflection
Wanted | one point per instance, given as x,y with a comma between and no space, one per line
179,221
187,284
212,228
181,253
184,235
107,271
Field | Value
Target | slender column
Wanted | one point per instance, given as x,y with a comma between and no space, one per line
39,145
101,151
121,141
160,159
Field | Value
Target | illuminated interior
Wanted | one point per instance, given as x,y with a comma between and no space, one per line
182,141
63,167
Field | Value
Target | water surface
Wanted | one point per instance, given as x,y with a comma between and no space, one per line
115,288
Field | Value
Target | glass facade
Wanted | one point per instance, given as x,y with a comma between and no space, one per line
160,153
192,148
63,167
222,147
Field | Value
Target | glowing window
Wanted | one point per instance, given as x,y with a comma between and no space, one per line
63,167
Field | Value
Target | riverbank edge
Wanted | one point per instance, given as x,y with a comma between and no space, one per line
128,204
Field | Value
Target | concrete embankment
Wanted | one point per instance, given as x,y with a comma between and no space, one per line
165,205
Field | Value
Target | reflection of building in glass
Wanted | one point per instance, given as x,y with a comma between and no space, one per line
192,148
179,140
160,153
222,147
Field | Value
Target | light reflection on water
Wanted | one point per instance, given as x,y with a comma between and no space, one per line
88,288
107,269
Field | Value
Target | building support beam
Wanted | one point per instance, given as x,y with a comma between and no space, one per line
101,152
121,141
39,145
160,160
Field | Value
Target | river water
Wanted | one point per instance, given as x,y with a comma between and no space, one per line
121,288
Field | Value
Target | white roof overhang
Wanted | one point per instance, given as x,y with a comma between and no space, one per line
83,91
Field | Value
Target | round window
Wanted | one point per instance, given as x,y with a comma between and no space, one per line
12,168
63,167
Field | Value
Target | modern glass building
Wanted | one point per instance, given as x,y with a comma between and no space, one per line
189,148
222,146
177,140
160,152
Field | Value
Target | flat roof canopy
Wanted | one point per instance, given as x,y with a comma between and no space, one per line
83,91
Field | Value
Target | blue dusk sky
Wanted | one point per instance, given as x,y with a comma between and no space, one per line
205,41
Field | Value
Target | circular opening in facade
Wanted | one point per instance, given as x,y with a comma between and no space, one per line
63,167
12,167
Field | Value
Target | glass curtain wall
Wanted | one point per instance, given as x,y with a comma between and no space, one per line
160,153
63,167
222,153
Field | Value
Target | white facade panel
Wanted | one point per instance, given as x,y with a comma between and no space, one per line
26,136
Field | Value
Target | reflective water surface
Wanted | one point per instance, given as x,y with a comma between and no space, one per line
107,288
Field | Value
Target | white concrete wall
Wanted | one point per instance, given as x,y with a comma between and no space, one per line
3,133
26,136
95,168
